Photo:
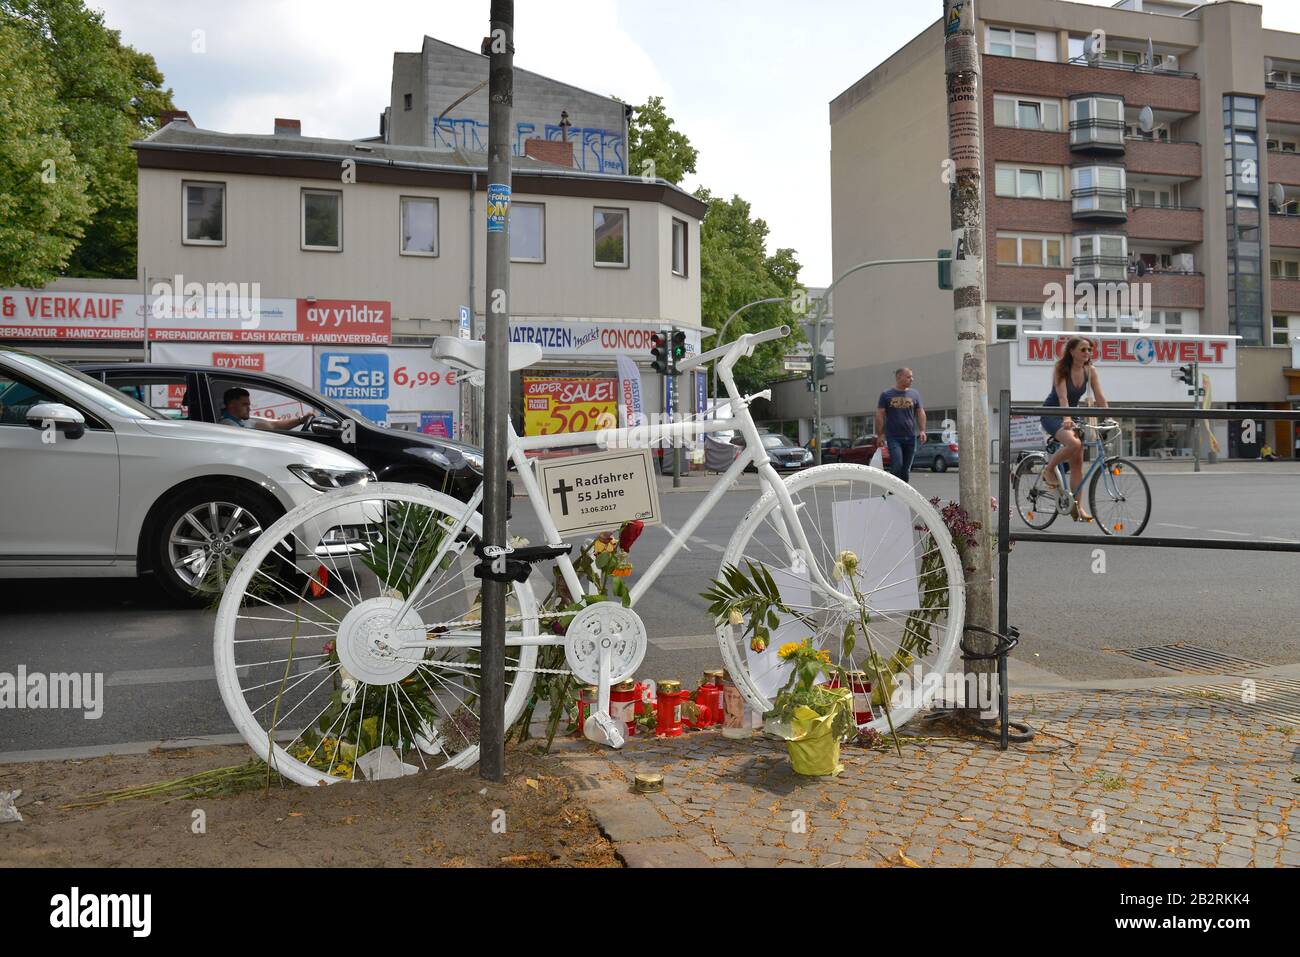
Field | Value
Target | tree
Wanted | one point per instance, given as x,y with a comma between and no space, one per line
43,204
651,139
736,269
111,94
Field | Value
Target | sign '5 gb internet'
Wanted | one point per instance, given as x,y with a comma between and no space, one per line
593,493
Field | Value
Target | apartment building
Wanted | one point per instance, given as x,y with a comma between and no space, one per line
1146,148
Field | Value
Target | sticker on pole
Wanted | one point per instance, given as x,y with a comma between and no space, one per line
593,493
498,207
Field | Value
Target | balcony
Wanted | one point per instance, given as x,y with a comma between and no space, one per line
1174,224
1162,158
1285,294
1284,230
1095,135
1160,89
1284,167
1100,269
1282,103
1176,290
1099,203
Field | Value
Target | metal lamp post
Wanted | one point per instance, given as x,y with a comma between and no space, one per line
721,339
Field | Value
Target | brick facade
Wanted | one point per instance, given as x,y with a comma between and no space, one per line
1285,294
1039,78
1022,284
1283,167
1167,225
1177,290
1282,106
550,151
1029,215
1284,230
1168,159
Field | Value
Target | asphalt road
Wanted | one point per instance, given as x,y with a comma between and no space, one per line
157,660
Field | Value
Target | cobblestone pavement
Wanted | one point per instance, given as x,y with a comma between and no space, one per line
1113,779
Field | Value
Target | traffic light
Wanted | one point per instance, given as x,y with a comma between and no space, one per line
945,268
679,348
1186,374
819,367
659,353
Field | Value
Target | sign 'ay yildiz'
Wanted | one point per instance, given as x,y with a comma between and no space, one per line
1044,348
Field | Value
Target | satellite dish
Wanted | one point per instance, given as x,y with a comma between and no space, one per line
1146,119
1151,53
1276,195
1268,66
1092,46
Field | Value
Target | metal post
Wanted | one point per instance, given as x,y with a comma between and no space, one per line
680,443
1004,548
144,310
722,338
497,384
1196,423
964,90
817,385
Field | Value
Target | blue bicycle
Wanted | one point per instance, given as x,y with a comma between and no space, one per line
1119,495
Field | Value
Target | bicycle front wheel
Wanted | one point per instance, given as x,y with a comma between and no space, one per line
321,679
1120,498
1035,502
909,577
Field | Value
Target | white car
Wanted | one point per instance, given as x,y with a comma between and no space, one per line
99,485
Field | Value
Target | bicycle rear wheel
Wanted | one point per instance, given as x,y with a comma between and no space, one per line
316,678
1120,498
909,574
1036,504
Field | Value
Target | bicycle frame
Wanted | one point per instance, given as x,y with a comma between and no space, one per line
1098,461
517,446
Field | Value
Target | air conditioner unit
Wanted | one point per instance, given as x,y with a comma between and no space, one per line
1182,262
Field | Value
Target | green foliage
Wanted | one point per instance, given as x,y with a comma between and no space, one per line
736,269
652,139
407,546
753,599
44,207
802,690
111,94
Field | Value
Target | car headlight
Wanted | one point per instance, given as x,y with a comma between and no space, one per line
326,479
475,460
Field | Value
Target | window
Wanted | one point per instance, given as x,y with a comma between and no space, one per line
406,101
1024,114
1097,121
1123,57
1165,197
1282,329
1101,257
1098,189
1025,44
610,237
1284,269
679,247
1010,321
1027,249
322,220
205,214
1028,182
264,402
528,232
419,226
18,396
1284,146
166,393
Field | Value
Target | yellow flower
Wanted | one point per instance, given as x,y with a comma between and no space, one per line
848,561
787,650
758,644
734,617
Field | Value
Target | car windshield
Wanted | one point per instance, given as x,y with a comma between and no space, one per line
83,387
776,442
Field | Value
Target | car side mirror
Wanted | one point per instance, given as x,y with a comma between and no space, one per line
325,426
64,418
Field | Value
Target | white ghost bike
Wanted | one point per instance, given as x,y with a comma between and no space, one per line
371,667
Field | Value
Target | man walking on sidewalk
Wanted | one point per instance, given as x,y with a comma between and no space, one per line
900,418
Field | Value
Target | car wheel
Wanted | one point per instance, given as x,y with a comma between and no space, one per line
940,464
201,536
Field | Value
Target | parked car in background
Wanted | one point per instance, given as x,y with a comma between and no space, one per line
936,454
785,454
100,485
394,455
832,449
864,449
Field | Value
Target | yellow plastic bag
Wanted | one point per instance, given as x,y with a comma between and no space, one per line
814,750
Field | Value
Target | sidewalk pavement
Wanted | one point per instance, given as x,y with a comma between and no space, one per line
1157,776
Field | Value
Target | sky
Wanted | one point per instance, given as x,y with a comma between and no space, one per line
750,83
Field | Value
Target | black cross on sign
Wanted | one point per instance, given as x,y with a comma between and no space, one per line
563,489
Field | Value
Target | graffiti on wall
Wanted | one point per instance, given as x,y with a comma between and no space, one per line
599,150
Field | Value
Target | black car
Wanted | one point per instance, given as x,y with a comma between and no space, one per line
784,454
394,455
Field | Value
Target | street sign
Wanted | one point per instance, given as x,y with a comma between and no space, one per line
466,317
594,493
797,364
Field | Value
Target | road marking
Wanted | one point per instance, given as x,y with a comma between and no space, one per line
161,676
1172,525
1224,531
707,544
685,642
1289,541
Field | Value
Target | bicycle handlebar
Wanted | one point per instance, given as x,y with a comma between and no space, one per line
746,342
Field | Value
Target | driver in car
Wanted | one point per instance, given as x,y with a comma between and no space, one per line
238,412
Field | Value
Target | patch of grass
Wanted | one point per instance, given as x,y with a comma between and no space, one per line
1212,695
1283,729
1110,782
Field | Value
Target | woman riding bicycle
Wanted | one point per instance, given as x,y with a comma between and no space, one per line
1072,375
